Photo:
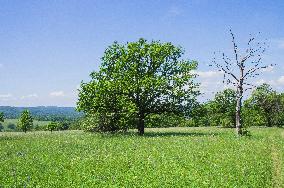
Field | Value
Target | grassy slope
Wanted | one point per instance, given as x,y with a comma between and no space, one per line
174,157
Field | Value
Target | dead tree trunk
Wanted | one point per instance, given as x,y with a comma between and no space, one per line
238,112
240,91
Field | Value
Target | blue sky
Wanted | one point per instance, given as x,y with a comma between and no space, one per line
47,47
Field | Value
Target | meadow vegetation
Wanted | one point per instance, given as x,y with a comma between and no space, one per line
164,157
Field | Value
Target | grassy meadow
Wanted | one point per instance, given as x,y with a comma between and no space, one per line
170,157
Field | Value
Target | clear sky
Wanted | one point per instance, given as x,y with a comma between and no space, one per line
48,47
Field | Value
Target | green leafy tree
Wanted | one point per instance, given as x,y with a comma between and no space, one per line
218,112
264,107
26,121
138,79
1,121
199,115
1,117
223,108
52,126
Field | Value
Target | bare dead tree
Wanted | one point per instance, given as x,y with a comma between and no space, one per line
241,69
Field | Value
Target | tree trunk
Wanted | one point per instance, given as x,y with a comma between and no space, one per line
269,122
240,91
141,123
238,116
239,108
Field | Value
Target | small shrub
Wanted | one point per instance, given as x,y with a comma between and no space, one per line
245,132
11,126
62,126
52,126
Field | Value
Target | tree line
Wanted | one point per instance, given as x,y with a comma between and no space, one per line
264,107
26,123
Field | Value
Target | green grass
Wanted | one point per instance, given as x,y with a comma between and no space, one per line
15,121
173,157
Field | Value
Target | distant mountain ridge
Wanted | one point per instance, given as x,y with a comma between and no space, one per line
45,113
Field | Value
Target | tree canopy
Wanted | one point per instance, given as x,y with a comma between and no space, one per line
219,111
264,107
138,79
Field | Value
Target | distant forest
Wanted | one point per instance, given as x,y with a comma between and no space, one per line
43,113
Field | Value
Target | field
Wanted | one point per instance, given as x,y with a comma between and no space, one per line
15,121
172,157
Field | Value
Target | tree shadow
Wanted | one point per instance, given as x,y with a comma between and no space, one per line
180,134
152,134
163,133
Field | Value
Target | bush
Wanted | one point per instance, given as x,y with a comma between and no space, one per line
52,126
38,127
11,126
108,122
62,126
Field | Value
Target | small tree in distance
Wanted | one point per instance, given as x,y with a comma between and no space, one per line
1,117
26,121
52,126
239,70
1,120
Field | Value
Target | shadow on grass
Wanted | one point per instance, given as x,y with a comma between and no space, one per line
164,134
179,134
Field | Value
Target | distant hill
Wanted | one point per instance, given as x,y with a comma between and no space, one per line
44,113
